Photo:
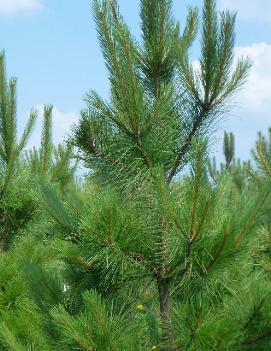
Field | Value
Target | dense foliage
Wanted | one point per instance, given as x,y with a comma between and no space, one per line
156,248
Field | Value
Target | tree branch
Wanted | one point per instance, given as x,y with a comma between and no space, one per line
256,339
185,147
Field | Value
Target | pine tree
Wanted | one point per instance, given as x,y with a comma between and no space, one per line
261,155
49,161
157,98
17,210
177,255
238,169
24,230
12,216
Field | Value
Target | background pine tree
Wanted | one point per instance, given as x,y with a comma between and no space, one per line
13,215
55,163
24,229
239,170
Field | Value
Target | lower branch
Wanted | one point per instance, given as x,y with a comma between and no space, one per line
256,339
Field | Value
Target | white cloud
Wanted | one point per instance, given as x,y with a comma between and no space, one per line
256,94
253,112
248,9
11,7
62,123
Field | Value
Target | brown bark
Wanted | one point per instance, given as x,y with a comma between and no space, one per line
4,239
164,292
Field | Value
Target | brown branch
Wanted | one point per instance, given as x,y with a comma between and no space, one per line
170,211
194,330
255,310
145,156
195,204
256,339
192,237
136,258
219,251
185,147
250,222
5,238
202,220
163,283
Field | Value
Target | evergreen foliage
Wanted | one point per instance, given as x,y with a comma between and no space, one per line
50,161
156,249
261,156
157,97
15,205
238,169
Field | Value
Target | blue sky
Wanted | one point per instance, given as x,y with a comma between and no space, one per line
51,47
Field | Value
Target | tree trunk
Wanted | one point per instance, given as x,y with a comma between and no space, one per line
163,291
4,237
